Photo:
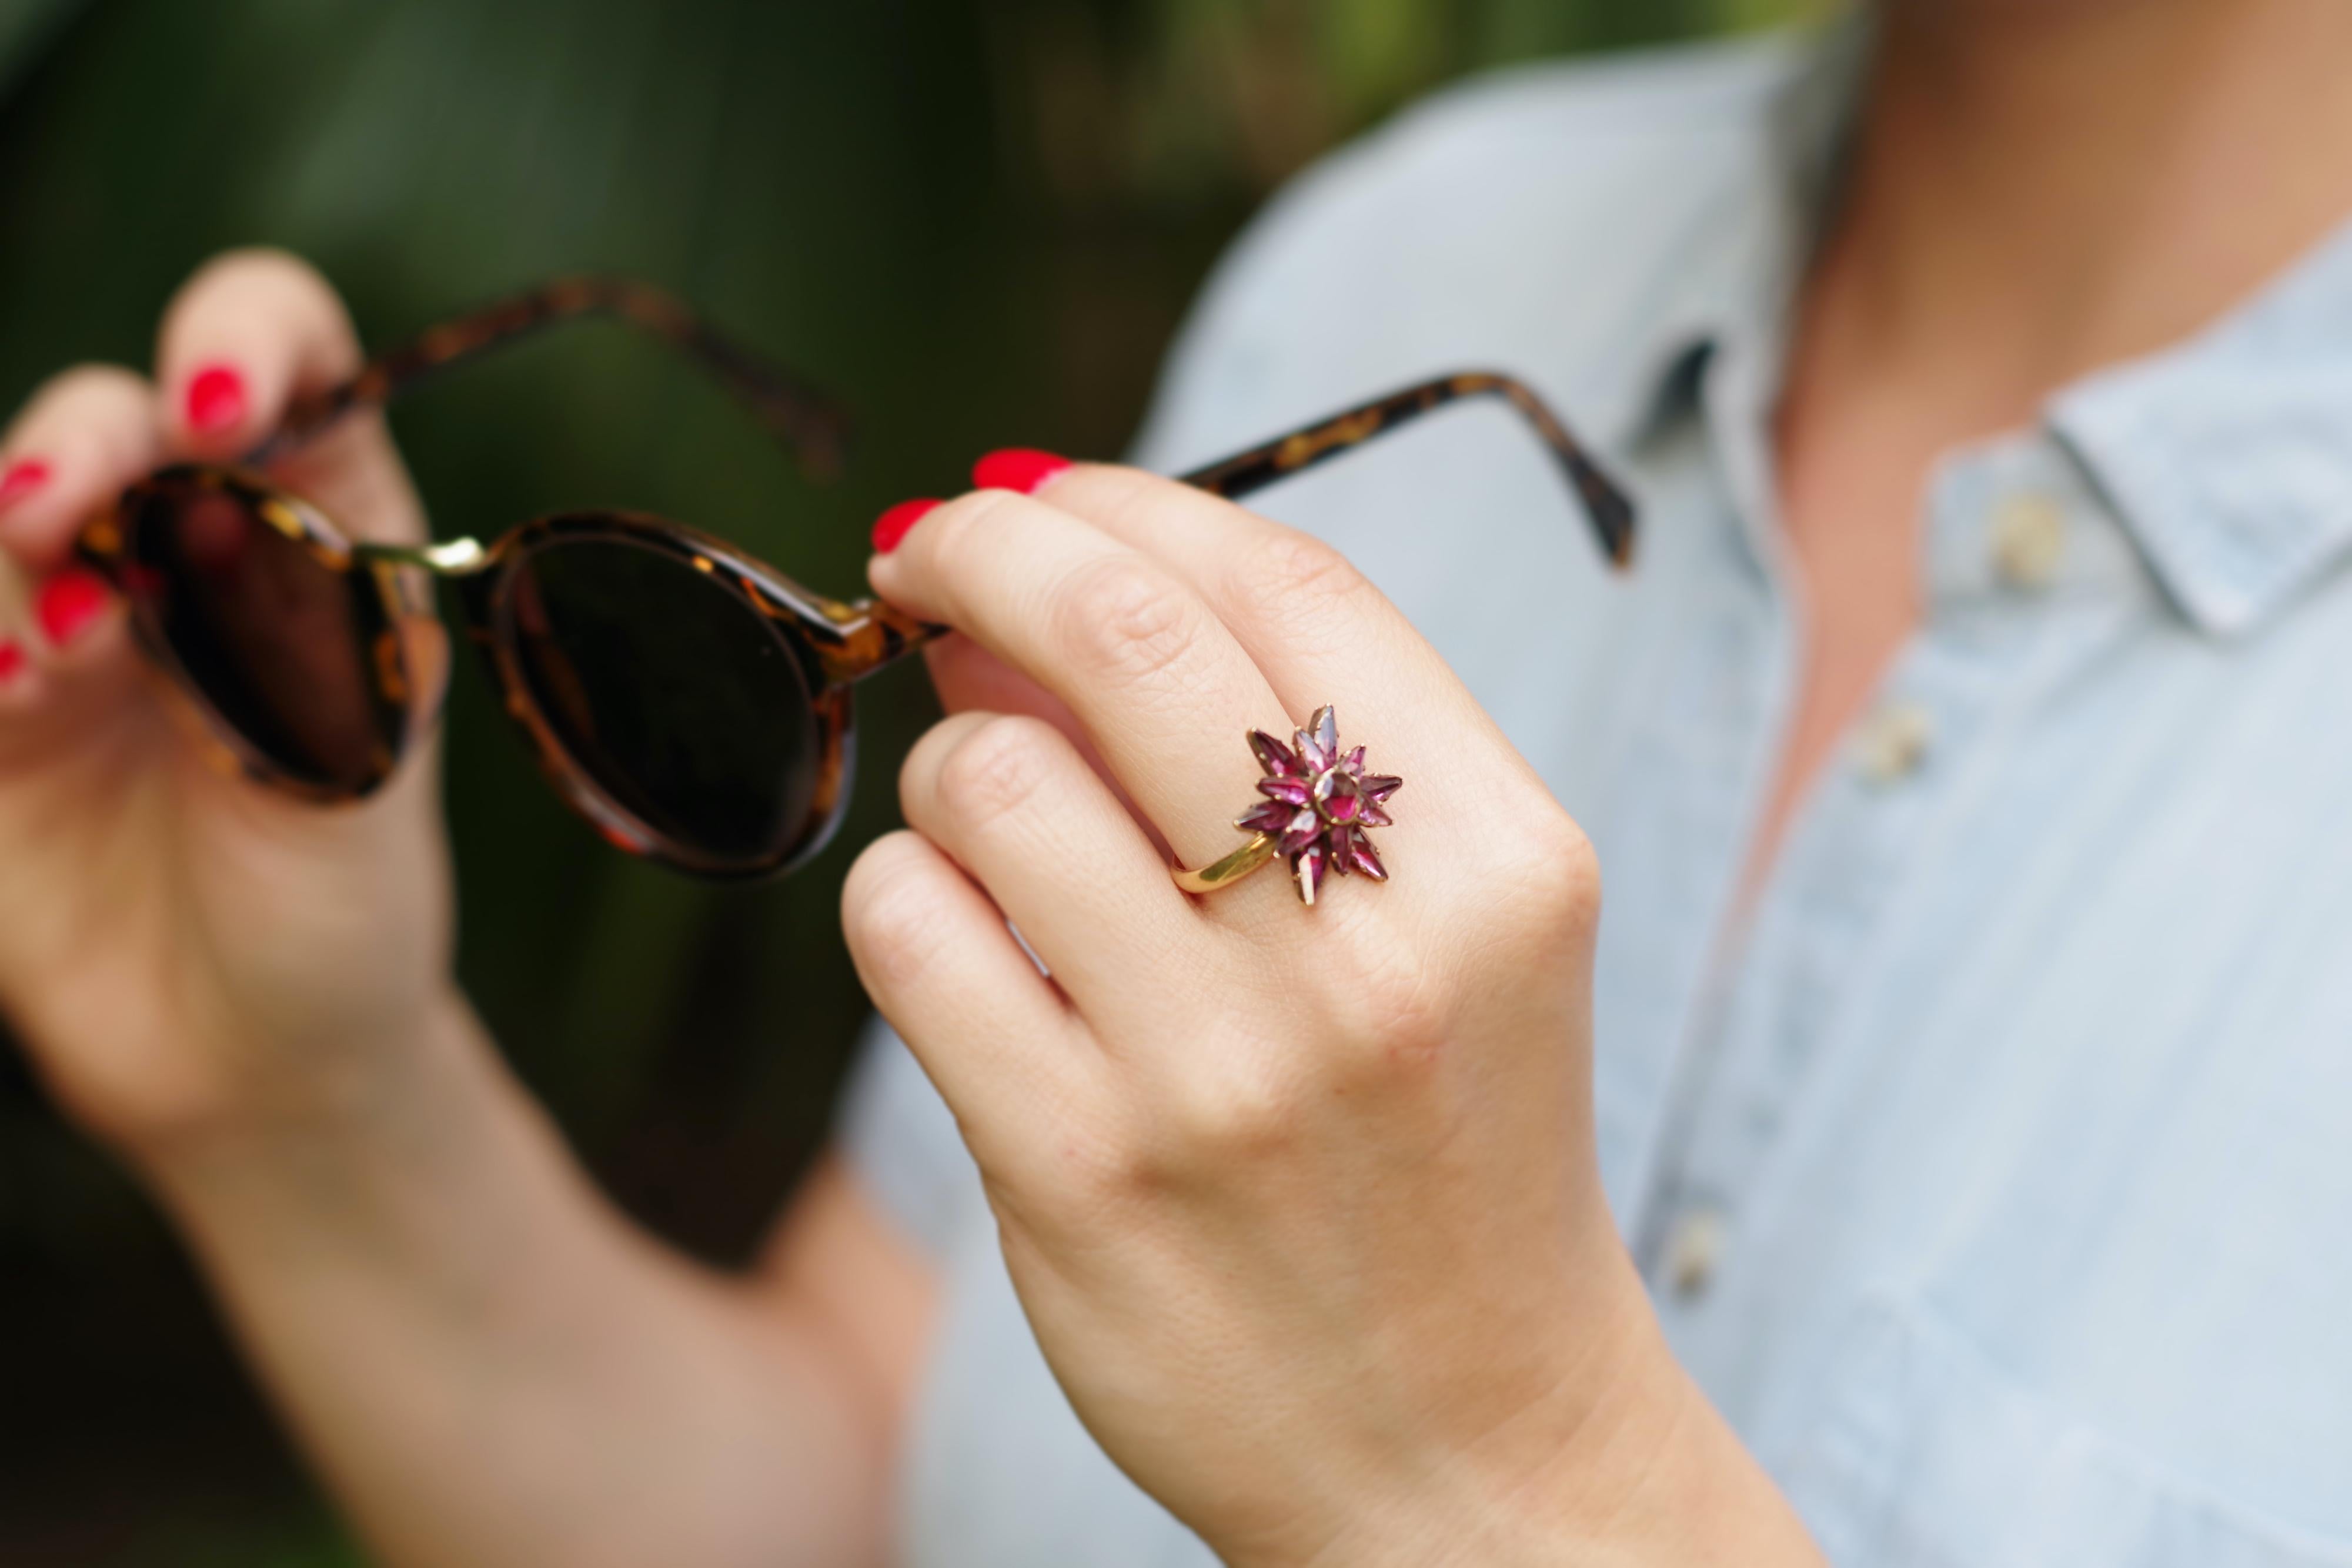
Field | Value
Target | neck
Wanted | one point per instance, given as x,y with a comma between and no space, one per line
2045,186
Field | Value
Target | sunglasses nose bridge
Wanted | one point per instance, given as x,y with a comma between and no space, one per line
450,558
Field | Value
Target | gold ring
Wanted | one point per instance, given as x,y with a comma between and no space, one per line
1262,848
1320,808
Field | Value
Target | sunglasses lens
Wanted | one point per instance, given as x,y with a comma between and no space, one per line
301,661
682,702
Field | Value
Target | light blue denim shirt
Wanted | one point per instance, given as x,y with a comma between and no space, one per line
1994,1173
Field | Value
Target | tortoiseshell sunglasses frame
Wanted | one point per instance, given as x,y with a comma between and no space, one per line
835,643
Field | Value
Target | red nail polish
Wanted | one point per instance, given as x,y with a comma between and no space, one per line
216,399
12,660
67,602
891,525
21,480
1021,468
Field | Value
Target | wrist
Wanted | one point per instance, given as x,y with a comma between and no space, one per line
1624,1460
341,1100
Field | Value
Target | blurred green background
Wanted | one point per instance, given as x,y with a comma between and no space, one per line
980,221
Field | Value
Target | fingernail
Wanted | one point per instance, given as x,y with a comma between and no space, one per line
67,602
1022,468
12,660
21,480
891,525
216,399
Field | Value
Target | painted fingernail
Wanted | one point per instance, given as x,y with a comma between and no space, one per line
1022,468
12,660
67,602
891,527
216,399
21,479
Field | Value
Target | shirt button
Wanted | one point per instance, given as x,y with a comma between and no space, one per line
1894,741
2029,536
1693,1251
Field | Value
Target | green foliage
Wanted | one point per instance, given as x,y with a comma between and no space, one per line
979,220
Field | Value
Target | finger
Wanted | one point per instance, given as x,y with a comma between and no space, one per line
938,961
66,669
19,678
1009,799
1323,634
1318,627
243,335
83,436
1162,688
969,678
247,334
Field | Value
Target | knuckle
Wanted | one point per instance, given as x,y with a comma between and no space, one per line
1101,1169
1385,997
952,532
997,768
1118,615
1248,1111
1127,499
1293,577
889,911
1555,879
1391,1010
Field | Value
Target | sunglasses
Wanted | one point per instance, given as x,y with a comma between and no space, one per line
690,701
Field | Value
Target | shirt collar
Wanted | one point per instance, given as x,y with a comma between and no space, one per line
2227,457
2230,456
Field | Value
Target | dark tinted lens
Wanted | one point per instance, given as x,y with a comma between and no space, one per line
299,659
680,700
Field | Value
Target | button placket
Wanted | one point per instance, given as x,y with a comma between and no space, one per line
1843,862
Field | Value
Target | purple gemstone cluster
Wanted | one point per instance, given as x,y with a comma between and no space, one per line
1319,804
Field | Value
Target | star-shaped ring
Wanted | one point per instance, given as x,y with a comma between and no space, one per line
1318,809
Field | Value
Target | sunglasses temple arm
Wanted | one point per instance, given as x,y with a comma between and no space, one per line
807,421
875,634
1606,506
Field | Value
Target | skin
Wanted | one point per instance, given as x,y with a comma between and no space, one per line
250,1001
1228,1193
2041,189
1301,1202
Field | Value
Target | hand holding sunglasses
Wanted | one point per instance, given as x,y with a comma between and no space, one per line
265,548
190,962
202,959
688,699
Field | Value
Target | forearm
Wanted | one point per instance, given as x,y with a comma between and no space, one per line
1674,1488
492,1367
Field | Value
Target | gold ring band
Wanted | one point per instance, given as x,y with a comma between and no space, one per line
1231,869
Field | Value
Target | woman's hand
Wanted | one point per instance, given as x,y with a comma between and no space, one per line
1301,1201
186,951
